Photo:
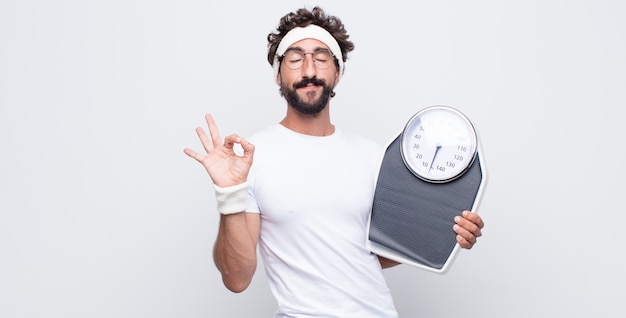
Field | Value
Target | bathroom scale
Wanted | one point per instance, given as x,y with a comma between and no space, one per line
430,173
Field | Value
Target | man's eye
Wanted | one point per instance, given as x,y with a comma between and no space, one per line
294,59
321,59
322,56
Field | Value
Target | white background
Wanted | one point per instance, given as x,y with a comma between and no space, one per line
102,215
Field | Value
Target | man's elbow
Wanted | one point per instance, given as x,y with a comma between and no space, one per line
237,280
237,285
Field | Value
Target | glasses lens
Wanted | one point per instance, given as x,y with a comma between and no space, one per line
322,59
294,59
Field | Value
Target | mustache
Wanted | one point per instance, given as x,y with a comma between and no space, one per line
315,81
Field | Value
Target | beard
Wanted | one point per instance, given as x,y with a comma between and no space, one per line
308,106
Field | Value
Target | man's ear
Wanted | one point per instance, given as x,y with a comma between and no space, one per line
278,79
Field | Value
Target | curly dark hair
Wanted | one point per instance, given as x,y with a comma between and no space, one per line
302,18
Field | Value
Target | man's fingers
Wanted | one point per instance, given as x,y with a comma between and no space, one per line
248,149
204,139
215,135
464,237
474,218
193,154
464,243
230,141
468,226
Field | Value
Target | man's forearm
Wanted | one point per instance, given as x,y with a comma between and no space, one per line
235,250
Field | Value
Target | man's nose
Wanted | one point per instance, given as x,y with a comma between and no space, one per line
309,70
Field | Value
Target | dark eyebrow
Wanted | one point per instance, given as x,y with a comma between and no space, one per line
295,48
299,49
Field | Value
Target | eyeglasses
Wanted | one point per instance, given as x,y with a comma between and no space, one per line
294,59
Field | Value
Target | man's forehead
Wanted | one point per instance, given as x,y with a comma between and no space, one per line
309,44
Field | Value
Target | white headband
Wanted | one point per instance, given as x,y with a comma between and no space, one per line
311,31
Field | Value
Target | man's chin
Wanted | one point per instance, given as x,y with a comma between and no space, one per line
308,110
310,95
310,106
307,100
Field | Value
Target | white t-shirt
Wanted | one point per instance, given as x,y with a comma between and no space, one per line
314,195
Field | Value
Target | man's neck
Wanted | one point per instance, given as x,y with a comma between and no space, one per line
314,125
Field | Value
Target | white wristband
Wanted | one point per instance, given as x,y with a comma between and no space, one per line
232,199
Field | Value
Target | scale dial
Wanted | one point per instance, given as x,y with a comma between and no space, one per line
438,144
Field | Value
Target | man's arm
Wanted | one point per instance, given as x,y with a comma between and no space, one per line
235,249
386,263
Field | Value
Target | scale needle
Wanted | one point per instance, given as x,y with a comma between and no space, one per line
434,156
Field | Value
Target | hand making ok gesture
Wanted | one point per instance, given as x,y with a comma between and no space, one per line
224,166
